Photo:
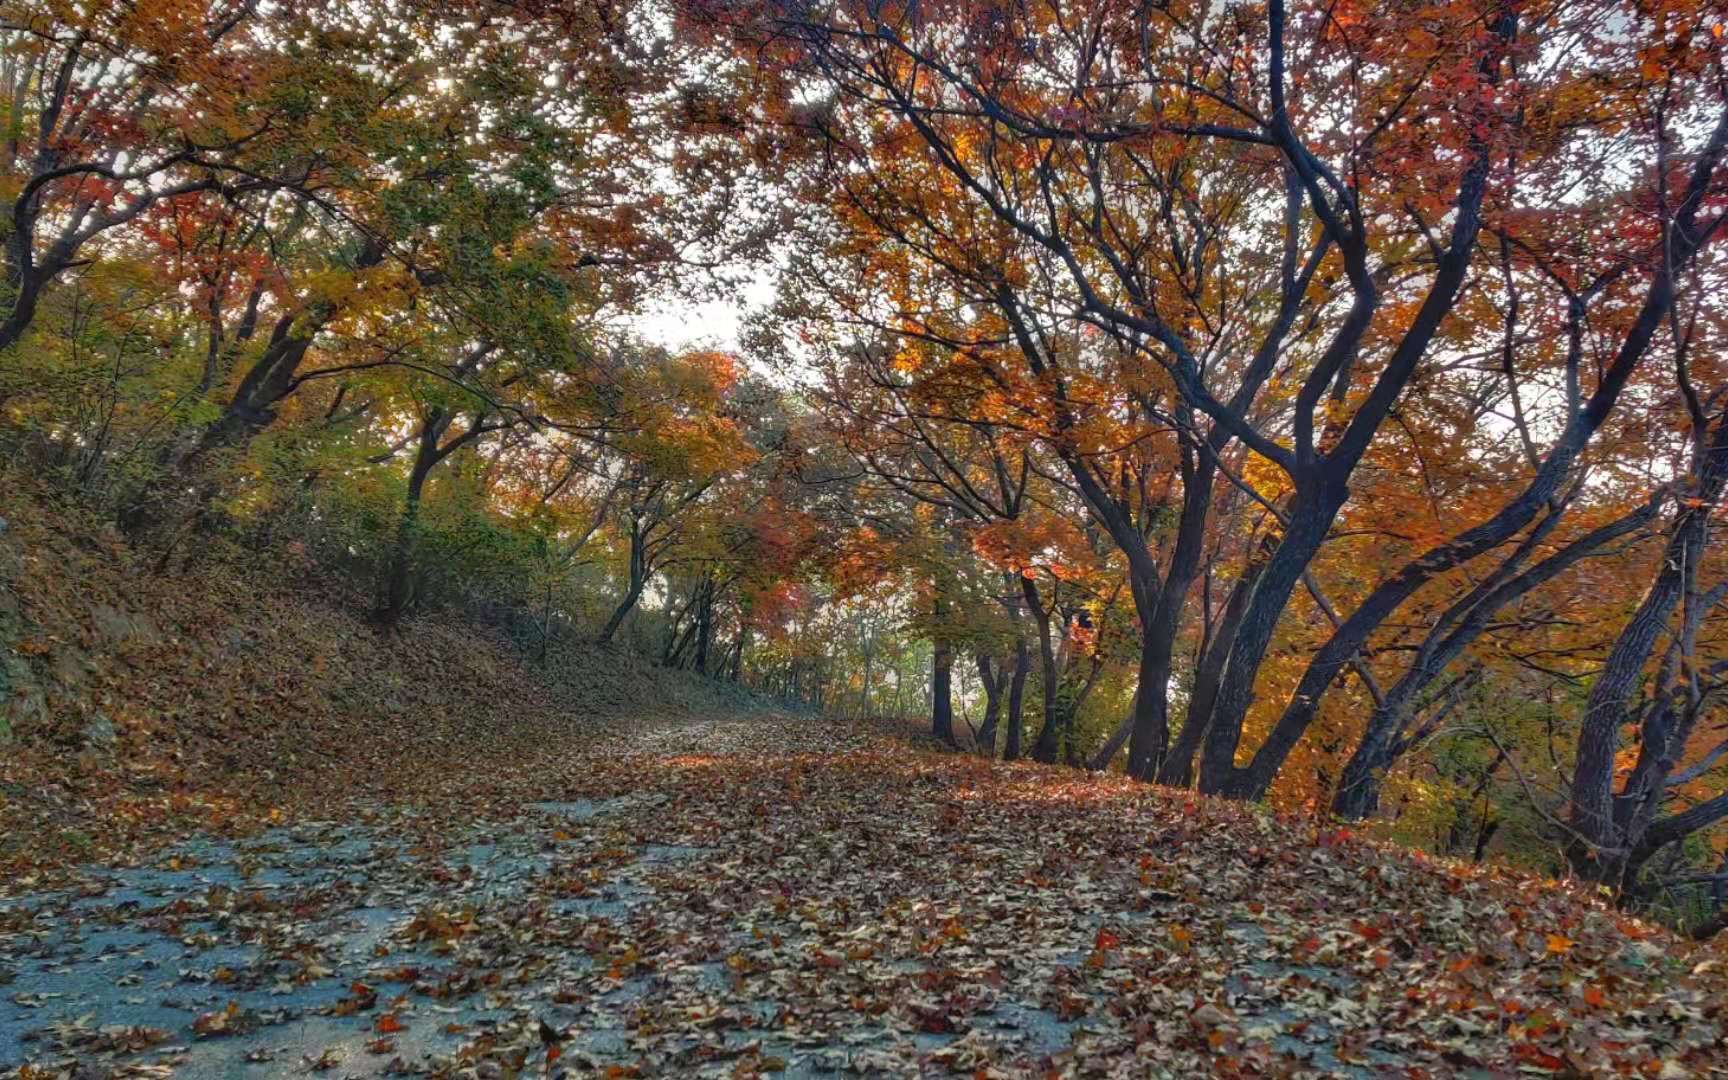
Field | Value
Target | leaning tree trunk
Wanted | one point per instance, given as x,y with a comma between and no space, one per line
1607,848
1178,768
268,382
638,580
1384,740
1681,241
27,296
1118,738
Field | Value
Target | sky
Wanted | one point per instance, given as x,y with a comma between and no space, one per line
682,324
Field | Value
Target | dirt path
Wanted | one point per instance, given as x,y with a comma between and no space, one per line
741,896
302,948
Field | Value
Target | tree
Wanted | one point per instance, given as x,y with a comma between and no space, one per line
101,133
681,445
1615,832
1120,172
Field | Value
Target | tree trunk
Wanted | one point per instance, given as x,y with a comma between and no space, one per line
675,636
1048,747
736,674
674,656
1118,738
23,314
1161,617
1310,518
398,576
25,276
1049,742
992,676
545,627
1150,724
1178,768
1607,848
1011,747
1358,794
273,376
941,692
1383,741
1602,850
869,646
1680,242
705,626
638,580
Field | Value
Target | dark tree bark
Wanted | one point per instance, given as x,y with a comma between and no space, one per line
705,625
674,656
652,512
1322,479
941,692
1384,740
276,373
1011,746
1611,842
429,452
1178,770
677,632
993,675
1111,292
1118,738
735,665
29,271
635,581
1682,238
1160,603
1048,746
397,574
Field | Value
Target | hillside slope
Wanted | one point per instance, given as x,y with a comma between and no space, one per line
137,700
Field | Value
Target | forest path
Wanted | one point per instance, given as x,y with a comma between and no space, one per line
747,895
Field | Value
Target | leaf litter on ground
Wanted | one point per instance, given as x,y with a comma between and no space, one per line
778,895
